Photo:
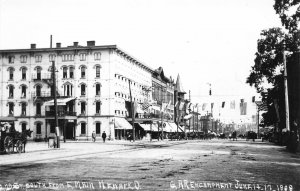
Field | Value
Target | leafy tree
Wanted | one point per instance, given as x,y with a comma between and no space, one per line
288,11
268,70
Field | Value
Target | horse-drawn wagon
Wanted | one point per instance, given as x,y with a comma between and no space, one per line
10,139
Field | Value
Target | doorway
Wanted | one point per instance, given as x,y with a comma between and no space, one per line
70,133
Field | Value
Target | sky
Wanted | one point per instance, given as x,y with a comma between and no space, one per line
205,42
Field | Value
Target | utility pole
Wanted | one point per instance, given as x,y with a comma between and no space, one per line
287,114
55,105
132,111
162,113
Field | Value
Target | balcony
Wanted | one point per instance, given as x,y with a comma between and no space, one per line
60,113
41,94
42,76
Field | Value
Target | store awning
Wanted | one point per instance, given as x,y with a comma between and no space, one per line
121,123
189,116
7,119
154,107
174,127
60,101
146,127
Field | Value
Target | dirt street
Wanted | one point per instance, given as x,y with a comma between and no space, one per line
173,165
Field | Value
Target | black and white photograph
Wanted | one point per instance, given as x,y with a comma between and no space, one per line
150,95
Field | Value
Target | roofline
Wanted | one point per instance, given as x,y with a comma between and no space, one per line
114,47
135,60
58,49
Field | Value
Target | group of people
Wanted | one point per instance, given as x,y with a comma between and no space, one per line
103,136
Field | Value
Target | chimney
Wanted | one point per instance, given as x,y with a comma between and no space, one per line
75,44
91,43
33,46
58,45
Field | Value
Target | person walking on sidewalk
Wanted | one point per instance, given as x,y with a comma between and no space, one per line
103,136
94,136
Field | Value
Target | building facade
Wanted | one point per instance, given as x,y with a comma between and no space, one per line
93,85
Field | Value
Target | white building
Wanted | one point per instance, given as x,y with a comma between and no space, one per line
92,85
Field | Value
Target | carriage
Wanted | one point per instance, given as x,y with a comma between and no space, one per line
11,139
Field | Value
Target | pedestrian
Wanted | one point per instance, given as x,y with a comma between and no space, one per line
103,136
94,136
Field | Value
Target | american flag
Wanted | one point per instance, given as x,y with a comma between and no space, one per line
145,105
262,106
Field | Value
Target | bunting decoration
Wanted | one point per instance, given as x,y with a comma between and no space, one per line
254,119
146,105
232,104
204,106
262,106
243,107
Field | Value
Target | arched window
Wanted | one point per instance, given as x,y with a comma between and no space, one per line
83,106
82,128
98,89
38,108
38,73
24,73
65,72
11,91
11,106
11,73
68,89
98,128
23,91
83,72
23,108
38,90
98,107
71,70
82,88
23,127
97,71
38,128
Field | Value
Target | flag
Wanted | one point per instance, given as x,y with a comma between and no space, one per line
223,104
146,105
243,107
232,104
261,106
254,119
204,106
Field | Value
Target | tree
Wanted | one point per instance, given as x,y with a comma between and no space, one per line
268,66
288,11
268,72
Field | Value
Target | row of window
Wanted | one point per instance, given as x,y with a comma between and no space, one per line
65,72
65,57
83,104
68,90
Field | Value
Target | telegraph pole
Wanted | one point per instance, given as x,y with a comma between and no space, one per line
162,114
132,111
287,114
55,106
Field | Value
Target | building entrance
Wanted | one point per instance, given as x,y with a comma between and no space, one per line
70,131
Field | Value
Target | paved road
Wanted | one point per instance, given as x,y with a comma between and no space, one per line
183,165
